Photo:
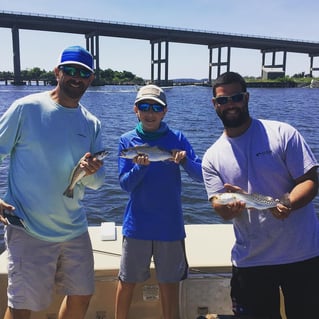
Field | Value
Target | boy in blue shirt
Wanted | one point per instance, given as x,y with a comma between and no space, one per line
153,223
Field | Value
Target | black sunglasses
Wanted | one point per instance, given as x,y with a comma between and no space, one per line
144,107
221,100
73,71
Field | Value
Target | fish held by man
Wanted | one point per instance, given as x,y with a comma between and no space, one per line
153,153
78,173
256,201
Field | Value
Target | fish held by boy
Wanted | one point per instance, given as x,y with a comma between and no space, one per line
153,153
256,201
78,173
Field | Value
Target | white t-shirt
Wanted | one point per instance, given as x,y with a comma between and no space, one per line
265,159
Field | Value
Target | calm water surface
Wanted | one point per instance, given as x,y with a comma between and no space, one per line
189,110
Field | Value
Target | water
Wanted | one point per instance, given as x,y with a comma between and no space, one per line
190,110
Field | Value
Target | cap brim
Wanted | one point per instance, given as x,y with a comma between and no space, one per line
77,63
152,98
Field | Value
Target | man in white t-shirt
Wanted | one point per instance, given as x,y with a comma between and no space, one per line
275,248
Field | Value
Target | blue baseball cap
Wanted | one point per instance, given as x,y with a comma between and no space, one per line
77,55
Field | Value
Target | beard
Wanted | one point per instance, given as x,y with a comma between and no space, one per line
231,121
73,89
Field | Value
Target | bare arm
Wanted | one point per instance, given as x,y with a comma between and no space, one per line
305,190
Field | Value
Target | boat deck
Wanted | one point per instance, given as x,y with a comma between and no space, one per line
205,292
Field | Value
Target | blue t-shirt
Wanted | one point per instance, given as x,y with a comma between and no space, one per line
45,141
154,209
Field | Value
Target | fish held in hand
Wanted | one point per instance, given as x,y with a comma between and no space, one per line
153,153
78,173
256,201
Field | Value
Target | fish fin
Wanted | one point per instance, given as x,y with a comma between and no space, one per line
257,195
99,154
68,192
102,151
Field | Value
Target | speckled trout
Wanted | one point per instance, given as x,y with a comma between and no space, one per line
256,201
154,153
78,173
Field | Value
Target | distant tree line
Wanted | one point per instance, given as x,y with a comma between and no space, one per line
107,77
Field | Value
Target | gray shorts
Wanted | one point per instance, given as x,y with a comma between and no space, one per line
169,258
35,266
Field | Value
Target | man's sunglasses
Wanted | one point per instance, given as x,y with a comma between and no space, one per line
144,107
221,100
73,71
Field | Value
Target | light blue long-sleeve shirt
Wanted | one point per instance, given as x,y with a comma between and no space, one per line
45,141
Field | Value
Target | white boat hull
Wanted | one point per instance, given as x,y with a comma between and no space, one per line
205,292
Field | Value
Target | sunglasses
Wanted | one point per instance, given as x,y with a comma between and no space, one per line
73,71
144,107
221,100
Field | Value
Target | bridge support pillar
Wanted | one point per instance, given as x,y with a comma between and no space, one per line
93,46
219,63
16,57
312,68
156,59
265,67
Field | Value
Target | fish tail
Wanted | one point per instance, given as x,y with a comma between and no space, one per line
68,192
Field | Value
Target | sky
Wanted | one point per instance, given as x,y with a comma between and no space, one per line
285,19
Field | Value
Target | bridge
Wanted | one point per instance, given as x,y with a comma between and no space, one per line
159,38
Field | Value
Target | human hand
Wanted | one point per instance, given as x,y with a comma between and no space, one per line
280,211
5,206
232,209
229,211
178,156
90,164
141,159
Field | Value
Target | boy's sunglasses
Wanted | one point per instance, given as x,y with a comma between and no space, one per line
221,100
73,71
144,107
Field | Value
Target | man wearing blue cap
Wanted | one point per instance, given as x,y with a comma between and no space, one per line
46,134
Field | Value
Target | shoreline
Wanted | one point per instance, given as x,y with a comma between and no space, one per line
254,84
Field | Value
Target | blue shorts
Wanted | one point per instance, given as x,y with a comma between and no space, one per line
255,290
35,266
169,258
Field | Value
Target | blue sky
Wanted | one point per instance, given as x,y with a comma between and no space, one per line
288,19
